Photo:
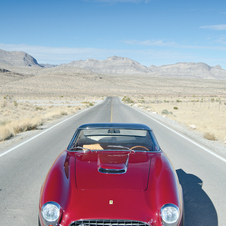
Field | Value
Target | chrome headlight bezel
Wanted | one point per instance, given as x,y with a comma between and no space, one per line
51,213
170,214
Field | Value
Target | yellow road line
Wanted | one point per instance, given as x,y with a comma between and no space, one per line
111,109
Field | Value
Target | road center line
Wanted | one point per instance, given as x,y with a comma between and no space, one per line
111,109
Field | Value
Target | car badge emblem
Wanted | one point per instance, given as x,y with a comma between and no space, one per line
110,202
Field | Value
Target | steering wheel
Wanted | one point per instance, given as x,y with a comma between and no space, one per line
134,147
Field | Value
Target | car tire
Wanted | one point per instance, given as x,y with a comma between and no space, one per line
39,224
183,224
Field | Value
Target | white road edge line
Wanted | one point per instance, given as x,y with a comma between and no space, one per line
190,140
6,152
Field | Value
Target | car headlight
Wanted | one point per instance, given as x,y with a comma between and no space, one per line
51,213
170,214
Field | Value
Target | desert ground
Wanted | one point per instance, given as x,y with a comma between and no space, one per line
205,114
21,115
30,99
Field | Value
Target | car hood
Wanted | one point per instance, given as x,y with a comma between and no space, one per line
112,170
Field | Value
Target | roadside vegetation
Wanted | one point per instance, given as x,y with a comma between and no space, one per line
17,117
127,100
206,114
88,104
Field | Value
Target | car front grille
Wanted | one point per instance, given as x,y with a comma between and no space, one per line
108,223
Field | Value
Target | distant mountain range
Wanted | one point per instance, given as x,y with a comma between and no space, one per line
119,65
112,65
20,59
15,58
123,65
191,70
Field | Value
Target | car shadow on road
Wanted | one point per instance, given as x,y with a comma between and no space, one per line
199,209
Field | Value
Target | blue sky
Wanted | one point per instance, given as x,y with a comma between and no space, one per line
152,32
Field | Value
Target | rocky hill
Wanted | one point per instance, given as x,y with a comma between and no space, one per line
16,58
123,65
190,70
112,65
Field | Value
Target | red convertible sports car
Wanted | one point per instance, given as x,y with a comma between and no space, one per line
112,174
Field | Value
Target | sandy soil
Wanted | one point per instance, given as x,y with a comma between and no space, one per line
204,114
201,103
29,112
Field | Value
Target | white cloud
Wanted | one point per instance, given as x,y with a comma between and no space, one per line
160,43
150,43
219,27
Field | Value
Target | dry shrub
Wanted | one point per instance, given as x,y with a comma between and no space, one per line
63,113
77,108
5,133
30,117
209,136
11,129
25,124
53,115
166,112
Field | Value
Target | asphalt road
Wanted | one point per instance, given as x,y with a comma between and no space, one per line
24,165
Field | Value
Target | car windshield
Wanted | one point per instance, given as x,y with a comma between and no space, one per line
114,139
